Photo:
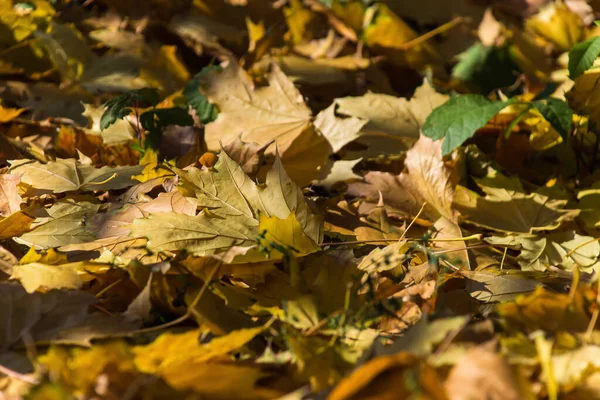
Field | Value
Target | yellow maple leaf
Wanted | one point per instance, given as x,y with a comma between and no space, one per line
287,232
8,114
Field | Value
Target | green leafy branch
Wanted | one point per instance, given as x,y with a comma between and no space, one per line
460,117
154,120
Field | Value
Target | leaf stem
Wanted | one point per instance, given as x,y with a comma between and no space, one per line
477,236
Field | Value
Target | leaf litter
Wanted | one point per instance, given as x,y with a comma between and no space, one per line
299,199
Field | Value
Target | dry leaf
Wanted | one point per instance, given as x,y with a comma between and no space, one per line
482,374
10,200
249,113
427,180
65,175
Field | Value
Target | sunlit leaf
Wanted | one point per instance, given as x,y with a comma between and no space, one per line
582,56
64,175
251,111
234,205
457,120
558,113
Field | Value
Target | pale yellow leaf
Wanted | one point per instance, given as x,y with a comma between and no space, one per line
170,350
65,276
286,232
63,225
10,200
65,175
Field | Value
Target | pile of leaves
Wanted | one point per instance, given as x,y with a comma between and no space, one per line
341,199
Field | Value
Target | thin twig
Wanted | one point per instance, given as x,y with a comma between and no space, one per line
466,238
440,29
413,220
580,246
189,311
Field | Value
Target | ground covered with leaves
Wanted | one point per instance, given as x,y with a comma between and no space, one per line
316,199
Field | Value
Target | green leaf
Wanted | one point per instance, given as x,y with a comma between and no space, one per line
558,113
486,68
193,97
582,56
154,120
146,96
459,118
117,108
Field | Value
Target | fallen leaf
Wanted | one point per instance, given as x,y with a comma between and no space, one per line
39,314
338,172
565,249
231,218
388,258
185,364
316,360
376,117
385,377
379,226
543,309
287,121
10,200
571,367
427,180
387,33
84,370
64,276
170,350
558,24
338,131
249,156
584,96
498,286
421,338
8,114
511,211
15,224
482,374
65,175
288,233
64,224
